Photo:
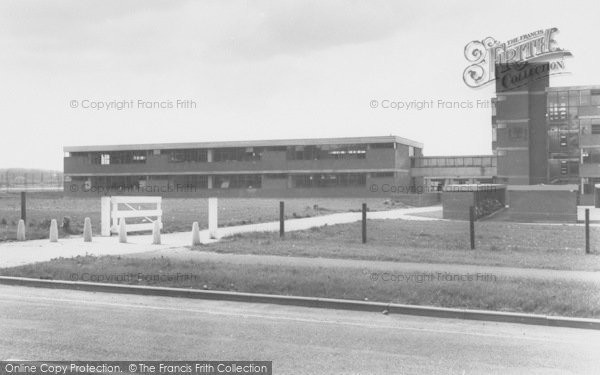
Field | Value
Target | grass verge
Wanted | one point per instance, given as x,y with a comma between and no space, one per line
573,299
497,244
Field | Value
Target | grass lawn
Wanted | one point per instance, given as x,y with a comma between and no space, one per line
178,213
497,244
517,295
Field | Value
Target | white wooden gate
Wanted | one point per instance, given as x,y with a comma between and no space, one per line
112,213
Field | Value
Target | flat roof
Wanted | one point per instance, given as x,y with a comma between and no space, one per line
566,88
257,143
570,187
455,156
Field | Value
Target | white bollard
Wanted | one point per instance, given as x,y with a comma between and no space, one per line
122,231
21,231
53,231
195,234
213,220
156,233
87,230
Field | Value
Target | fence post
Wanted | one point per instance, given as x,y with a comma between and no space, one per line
472,226
587,230
24,206
364,223
281,219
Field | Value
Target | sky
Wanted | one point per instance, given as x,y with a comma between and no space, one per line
259,70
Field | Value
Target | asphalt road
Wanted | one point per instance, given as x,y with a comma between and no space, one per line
48,324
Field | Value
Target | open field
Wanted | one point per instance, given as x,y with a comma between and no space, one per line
497,244
178,213
576,299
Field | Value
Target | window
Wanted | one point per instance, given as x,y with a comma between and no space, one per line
327,152
195,181
348,152
118,157
238,154
563,140
382,145
517,133
595,97
595,128
382,174
238,182
188,155
573,98
139,157
411,151
329,180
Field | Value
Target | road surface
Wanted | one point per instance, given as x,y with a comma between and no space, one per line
67,325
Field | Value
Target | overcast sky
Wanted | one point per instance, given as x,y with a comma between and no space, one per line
259,69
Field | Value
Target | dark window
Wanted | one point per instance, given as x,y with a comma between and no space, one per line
517,132
238,154
382,145
329,180
237,182
564,167
563,140
277,148
595,97
595,129
195,181
188,155
382,174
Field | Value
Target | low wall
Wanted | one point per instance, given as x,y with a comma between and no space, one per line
457,199
534,203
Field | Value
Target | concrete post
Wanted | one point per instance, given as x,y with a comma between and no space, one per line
156,233
196,234
212,217
87,230
21,231
105,216
122,231
53,231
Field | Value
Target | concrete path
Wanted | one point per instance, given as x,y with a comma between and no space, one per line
19,253
376,269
